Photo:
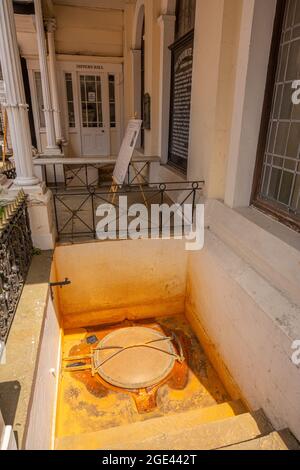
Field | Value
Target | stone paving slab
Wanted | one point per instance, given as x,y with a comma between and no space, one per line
17,374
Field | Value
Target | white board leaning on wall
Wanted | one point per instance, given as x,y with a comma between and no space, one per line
126,151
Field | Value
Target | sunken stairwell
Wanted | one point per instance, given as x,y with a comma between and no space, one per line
193,408
227,426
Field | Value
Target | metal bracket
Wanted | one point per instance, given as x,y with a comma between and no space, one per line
60,284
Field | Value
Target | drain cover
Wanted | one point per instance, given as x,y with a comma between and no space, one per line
134,358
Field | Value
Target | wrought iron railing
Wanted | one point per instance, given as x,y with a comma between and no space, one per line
76,211
8,169
15,256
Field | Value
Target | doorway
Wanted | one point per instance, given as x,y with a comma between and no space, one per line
94,114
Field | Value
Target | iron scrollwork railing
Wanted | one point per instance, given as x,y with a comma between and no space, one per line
15,256
9,170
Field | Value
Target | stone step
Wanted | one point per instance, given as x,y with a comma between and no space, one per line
209,436
133,433
282,440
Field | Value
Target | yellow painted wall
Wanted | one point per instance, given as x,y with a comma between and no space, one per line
88,31
152,71
112,281
214,75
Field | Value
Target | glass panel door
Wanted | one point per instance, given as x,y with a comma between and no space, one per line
94,105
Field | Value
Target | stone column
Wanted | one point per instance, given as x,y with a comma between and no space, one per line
52,147
51,28
39,197
167,26
17,109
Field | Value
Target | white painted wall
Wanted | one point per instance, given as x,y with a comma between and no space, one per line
248,316
41,418
252,65
270,247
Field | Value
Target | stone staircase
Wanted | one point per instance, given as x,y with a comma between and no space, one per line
227,426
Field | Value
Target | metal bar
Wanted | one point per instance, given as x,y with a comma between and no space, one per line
77,358
55,178
193,206
56,214
46,175
93,215
86,176
78,369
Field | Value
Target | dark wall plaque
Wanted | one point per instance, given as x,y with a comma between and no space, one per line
181,91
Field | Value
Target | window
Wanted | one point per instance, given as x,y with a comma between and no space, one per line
40,99
277,180
112,100
70,100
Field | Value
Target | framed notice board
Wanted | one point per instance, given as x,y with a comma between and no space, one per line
181,92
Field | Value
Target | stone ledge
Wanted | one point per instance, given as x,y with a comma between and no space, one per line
268,247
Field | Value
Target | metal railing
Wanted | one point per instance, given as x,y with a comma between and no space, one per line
15,257
89,175
9,170
76,211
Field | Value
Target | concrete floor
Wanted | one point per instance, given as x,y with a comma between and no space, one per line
87,404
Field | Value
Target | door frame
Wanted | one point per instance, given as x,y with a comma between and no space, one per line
105,105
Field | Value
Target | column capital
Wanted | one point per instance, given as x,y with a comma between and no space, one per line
50,25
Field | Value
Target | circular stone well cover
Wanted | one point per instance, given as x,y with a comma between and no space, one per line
140,364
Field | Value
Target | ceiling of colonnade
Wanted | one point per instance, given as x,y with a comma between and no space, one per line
108,4
84,27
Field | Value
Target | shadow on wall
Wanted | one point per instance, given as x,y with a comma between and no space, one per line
9,399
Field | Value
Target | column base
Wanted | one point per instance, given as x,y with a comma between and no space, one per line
23,182
41,215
